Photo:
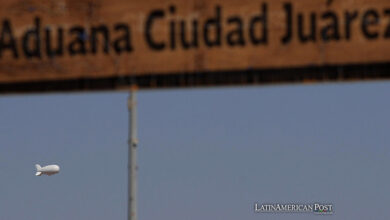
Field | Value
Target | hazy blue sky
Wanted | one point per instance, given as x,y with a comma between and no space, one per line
203,153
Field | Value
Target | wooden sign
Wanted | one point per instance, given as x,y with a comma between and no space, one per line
66,45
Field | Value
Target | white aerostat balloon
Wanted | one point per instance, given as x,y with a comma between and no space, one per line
47,170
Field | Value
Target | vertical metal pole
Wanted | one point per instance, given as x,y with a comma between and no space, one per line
132,157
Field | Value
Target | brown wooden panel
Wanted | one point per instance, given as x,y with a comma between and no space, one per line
48,42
